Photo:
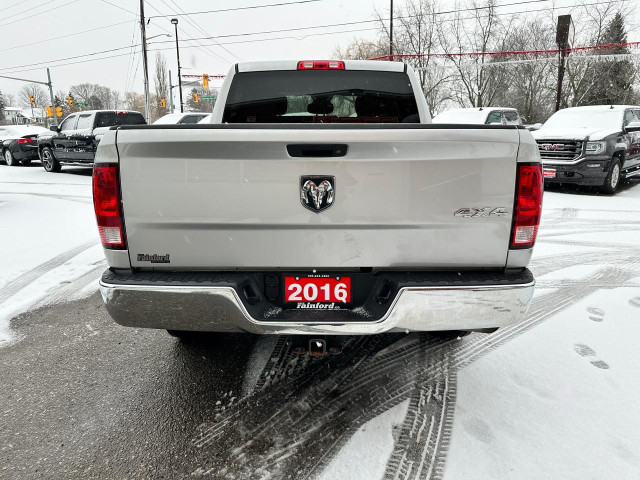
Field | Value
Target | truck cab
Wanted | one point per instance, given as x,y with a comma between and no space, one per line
75,140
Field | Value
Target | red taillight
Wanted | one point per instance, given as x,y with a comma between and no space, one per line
320,65
529,189
106,202
25,140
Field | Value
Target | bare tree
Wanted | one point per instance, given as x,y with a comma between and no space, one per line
533,80
417,35
161,81
9,99
40,96
480,33
591,21
361,49
134,101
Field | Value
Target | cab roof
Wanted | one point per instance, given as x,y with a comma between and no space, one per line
375,65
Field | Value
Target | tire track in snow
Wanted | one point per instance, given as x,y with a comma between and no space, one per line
32,275
317,411
66,290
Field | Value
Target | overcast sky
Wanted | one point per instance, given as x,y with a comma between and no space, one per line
113,24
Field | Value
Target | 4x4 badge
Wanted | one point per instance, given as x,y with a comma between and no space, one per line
317,192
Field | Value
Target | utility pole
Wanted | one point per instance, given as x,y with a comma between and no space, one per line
564,38
48,84
391,34
53,101
144,61
174,21
170,94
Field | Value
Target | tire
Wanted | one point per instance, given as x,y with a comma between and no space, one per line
449,334
184,335
49,161
9,158
612,181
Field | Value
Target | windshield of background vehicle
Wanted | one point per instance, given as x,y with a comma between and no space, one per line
321,96
579,118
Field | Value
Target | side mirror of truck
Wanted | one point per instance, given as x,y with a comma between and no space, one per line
54,128
632,127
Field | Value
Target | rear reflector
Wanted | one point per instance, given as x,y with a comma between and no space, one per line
25,140
529,189
106,203
320,65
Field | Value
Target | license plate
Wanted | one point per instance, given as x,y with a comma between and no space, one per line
549,173
318,291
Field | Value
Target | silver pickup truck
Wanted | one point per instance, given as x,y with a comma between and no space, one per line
319,200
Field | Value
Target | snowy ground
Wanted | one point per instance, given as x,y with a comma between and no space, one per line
554,397
48,239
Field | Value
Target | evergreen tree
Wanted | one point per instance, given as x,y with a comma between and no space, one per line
612,79
1,107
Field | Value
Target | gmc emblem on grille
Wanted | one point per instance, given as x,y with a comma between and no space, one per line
552,146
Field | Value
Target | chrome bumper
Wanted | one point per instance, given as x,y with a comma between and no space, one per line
219,309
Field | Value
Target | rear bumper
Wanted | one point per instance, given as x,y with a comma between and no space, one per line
29,153
424,305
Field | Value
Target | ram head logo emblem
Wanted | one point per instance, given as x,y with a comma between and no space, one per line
317,192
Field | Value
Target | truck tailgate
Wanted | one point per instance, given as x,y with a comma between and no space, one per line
226,197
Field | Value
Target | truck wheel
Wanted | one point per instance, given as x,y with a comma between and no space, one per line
49,162
8,157
613,178
450,334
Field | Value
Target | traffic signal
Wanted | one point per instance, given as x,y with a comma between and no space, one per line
70,100
31,99
58,111
49,112
195,97
163,102
205,80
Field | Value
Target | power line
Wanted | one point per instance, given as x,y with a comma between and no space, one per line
63,36
252,7
272,31
201,30
31,15
187,46
206,50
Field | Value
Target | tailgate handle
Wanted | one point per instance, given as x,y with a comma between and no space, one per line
317,150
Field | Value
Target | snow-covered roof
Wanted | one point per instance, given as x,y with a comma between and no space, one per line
174,118
468,115
615,108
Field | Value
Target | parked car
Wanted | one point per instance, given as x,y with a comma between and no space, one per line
18,143
180,118
320,200
206,119
481,115
75,140
596,145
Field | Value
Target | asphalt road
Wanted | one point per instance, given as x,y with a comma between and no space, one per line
82,397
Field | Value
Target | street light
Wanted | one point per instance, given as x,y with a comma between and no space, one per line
160,35
174,21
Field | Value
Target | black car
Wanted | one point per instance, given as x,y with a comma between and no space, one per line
18,143
75,141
